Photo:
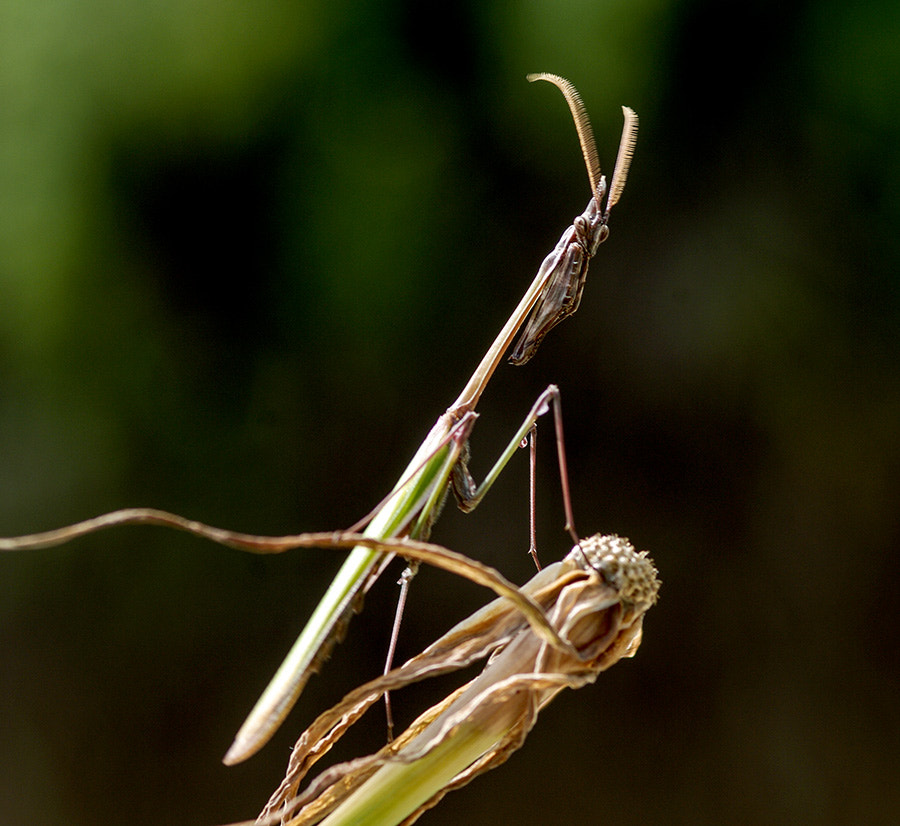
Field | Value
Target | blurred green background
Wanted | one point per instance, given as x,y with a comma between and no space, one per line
250,250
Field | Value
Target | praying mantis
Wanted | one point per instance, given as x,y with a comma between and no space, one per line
415,501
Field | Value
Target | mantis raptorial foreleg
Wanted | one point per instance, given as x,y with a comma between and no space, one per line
469,495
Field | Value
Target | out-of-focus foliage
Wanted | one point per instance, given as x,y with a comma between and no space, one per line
250,250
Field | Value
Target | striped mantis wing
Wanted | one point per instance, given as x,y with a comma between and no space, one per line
567,267
595,599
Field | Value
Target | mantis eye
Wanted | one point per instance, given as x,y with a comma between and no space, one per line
600,235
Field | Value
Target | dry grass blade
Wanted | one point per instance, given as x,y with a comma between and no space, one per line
595,599
434,555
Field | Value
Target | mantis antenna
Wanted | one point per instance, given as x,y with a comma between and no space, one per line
582,126
623,159
589,146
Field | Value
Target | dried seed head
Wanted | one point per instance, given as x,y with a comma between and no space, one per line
630,572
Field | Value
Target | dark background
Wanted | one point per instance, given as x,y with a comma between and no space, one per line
250,250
